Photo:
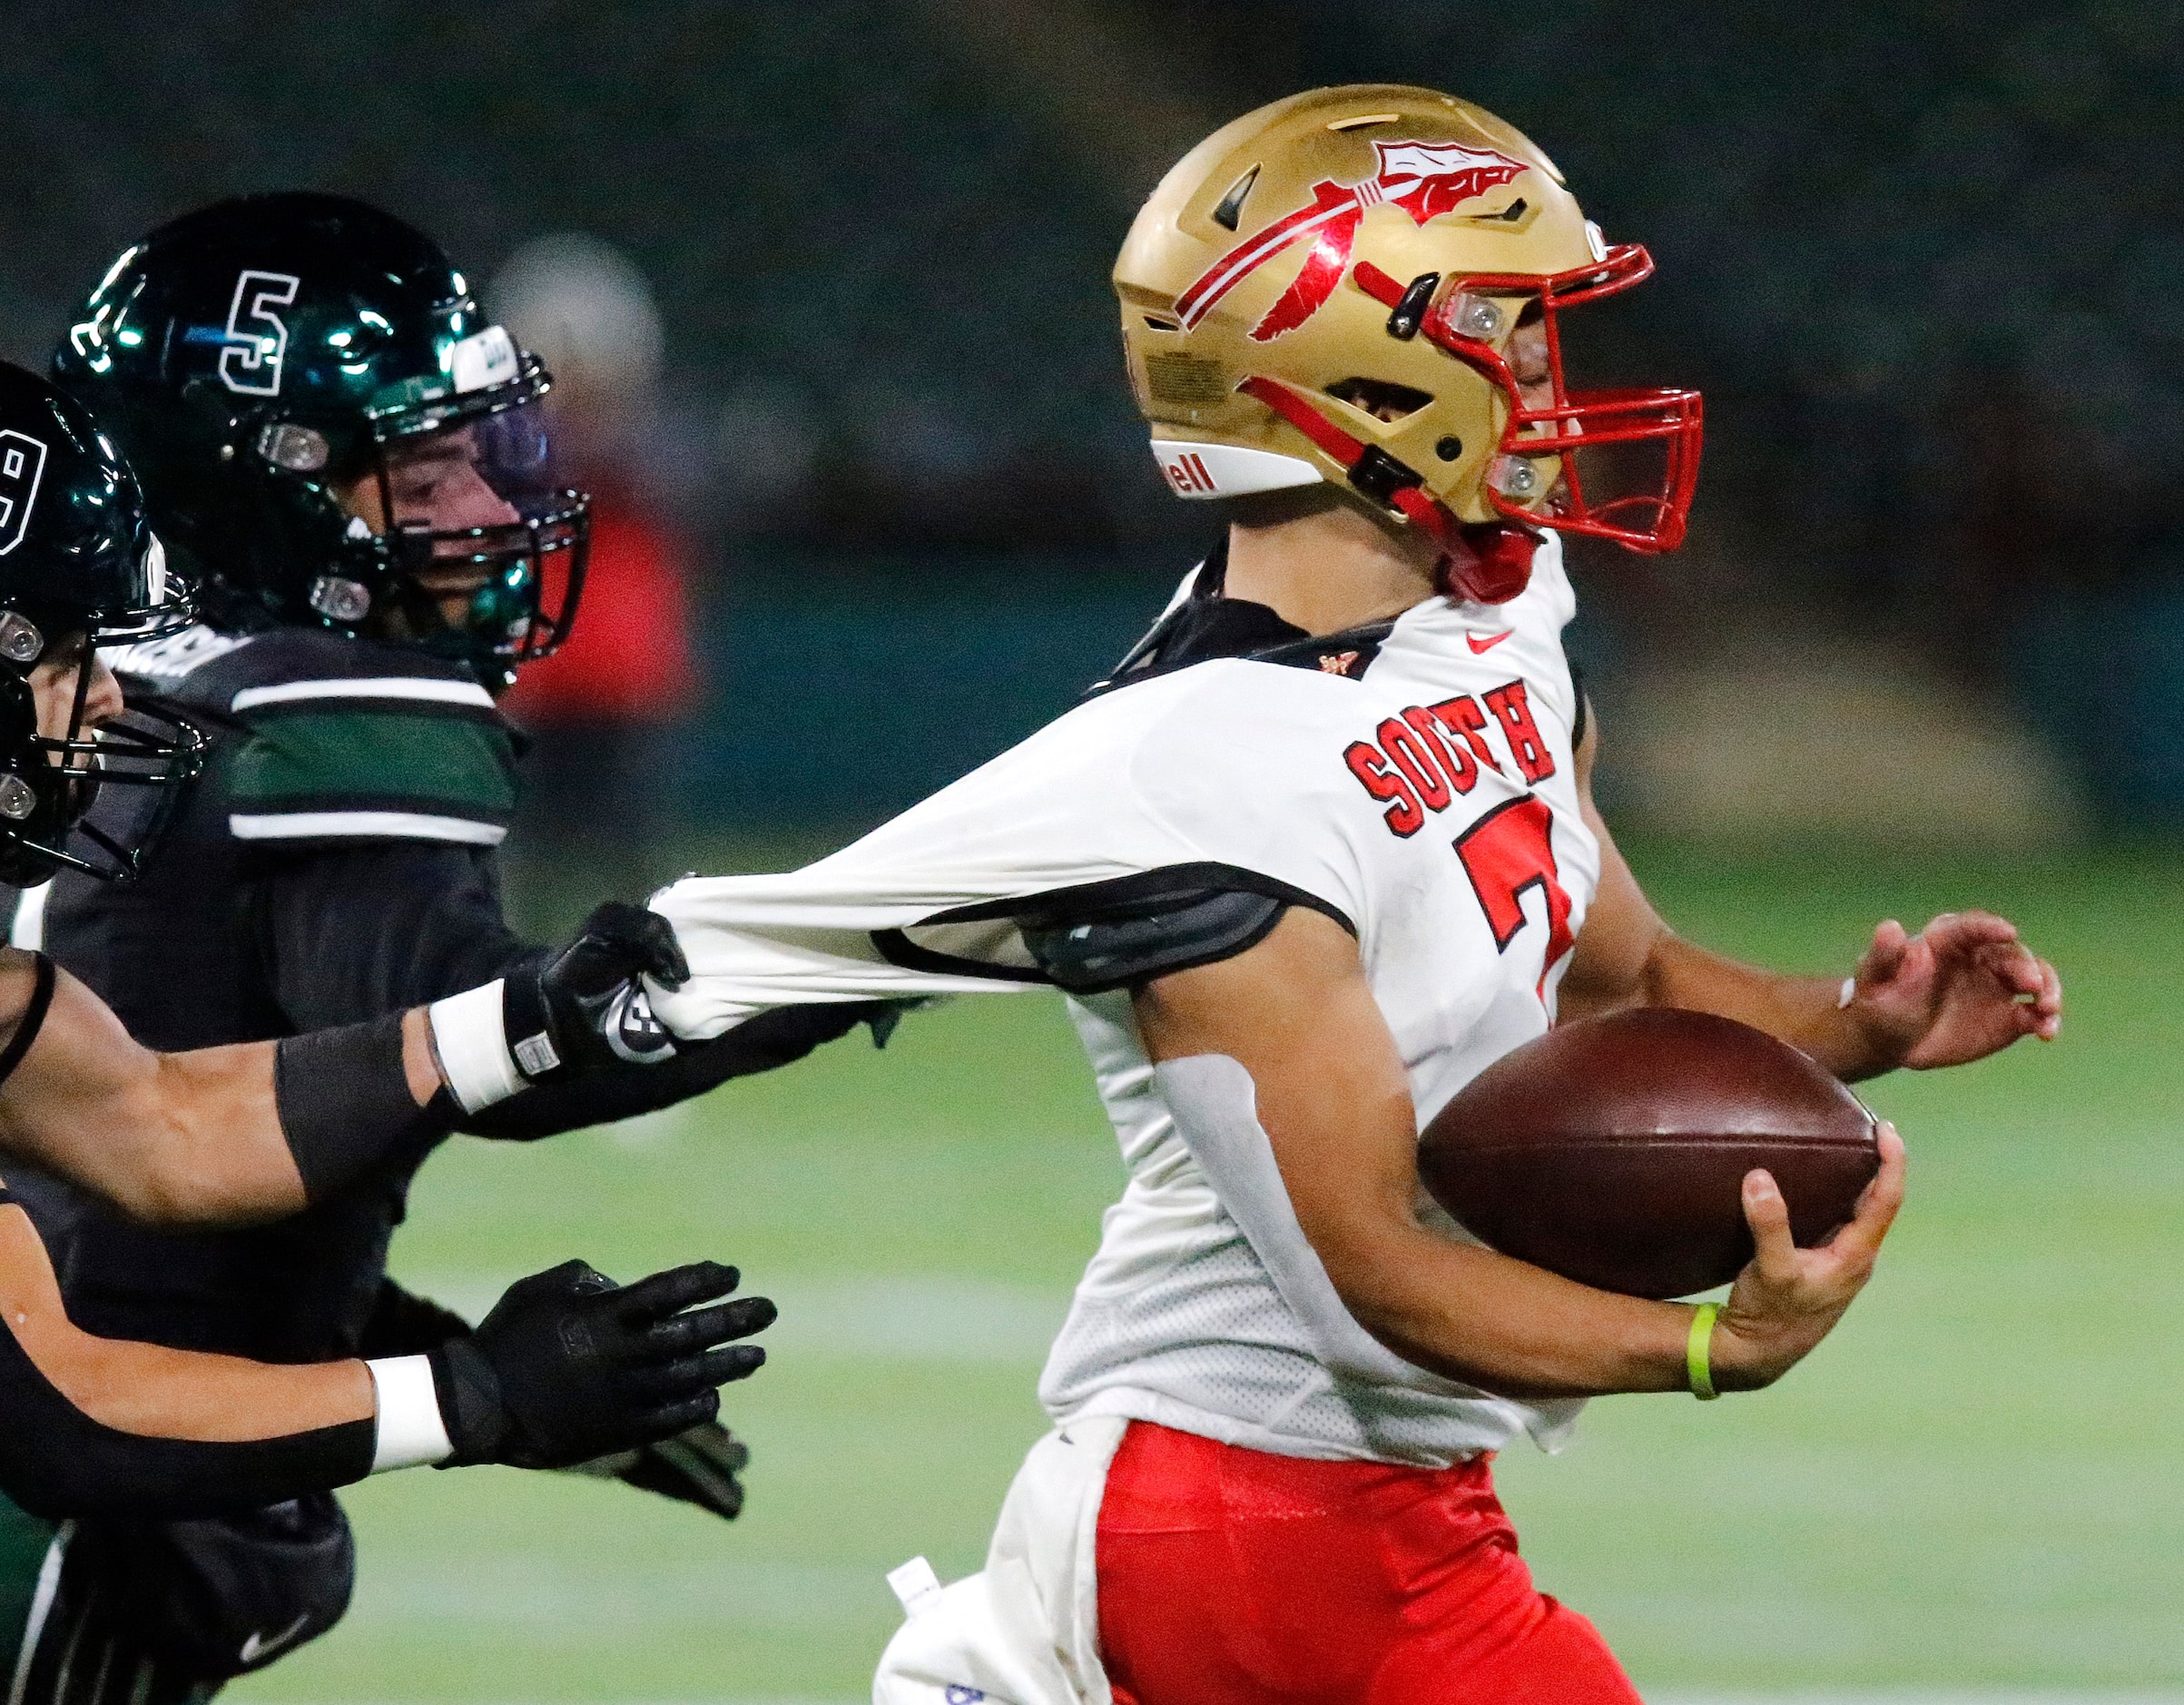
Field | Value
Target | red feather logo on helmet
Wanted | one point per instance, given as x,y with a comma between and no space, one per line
1424,179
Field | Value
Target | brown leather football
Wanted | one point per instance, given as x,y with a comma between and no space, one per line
1613,1150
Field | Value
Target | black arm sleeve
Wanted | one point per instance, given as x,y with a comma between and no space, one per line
56,1462
346,1107
351,934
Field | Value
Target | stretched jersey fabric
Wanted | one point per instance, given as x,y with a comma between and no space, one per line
1413,780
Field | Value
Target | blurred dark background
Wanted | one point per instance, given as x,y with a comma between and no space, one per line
1925,259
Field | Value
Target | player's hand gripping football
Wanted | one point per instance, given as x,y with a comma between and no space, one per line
1787,1299
587,999
1963,988
570,1365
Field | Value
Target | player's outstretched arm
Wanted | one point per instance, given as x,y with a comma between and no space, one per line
1963,988
257,1130
216,1135
1297,1013
438,931
567,1367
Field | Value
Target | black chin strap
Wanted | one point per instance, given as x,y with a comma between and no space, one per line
88,662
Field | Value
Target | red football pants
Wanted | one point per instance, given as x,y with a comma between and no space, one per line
1236,1577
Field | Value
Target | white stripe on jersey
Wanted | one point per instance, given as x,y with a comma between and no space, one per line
392,825
418,687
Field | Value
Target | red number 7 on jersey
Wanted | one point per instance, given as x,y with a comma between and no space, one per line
1505,853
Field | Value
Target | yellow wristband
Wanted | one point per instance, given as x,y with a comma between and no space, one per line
1698,1353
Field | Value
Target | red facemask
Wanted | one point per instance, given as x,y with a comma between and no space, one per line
1646,521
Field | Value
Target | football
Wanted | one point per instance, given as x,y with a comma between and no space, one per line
1612,1150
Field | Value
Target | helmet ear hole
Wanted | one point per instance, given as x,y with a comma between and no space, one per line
1380,398
297,449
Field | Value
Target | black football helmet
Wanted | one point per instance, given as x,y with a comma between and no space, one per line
258,356
80,568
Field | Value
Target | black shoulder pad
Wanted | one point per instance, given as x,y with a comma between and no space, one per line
1133,941
1111,934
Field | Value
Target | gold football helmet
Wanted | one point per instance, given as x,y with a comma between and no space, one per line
1329,289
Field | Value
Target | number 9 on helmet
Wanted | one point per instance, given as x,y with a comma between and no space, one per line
80,568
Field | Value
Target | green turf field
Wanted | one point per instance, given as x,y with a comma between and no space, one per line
1977,1484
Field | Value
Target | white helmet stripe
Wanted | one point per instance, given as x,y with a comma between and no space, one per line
1194,469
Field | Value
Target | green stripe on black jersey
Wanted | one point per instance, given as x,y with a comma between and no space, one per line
384,757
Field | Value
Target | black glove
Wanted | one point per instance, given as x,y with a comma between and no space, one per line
581,1007
570,1365
697,1466
581,1100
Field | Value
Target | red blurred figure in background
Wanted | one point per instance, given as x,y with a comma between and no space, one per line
598,795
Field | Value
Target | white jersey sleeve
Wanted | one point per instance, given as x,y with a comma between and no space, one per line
1197,769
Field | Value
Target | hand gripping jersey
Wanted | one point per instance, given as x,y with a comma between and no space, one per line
1414,780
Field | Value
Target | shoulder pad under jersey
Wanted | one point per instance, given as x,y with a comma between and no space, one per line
1120,933
344,740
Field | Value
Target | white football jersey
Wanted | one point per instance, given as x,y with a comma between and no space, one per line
1417,783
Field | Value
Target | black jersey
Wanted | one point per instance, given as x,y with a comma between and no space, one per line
329,756
336,861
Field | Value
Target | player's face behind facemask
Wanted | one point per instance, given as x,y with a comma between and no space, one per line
459,505
72,693
73,739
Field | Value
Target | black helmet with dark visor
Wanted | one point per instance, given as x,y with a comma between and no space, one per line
80,568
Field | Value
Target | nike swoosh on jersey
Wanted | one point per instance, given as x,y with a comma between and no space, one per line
258,1646
1480,648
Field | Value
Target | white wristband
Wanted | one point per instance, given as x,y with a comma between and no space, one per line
411,1433
472,1041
